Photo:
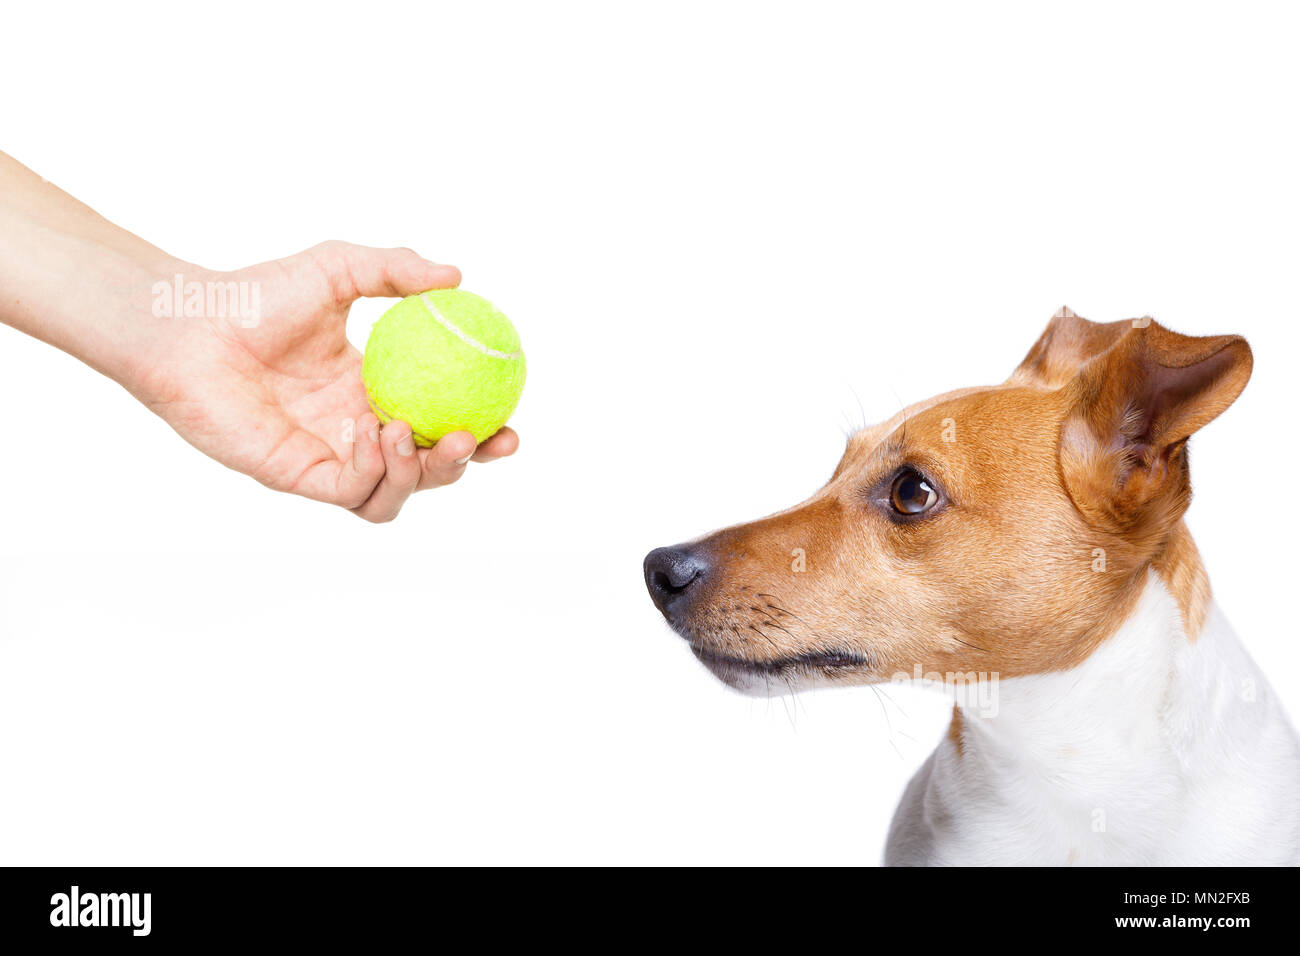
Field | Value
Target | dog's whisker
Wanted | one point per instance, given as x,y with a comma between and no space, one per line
766,638
777,607
785,703
774,622
884,693
889,725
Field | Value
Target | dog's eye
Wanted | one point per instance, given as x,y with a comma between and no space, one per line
911,493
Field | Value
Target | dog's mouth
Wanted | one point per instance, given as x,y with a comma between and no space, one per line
730,668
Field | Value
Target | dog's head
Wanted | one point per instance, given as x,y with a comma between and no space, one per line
1003,529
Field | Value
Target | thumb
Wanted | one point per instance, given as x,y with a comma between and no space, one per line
366,271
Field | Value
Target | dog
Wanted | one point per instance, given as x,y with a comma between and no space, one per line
1030,535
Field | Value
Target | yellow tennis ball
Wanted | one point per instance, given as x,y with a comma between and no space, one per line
444,361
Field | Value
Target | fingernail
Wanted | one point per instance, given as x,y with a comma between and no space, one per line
462,461
406,447
374,433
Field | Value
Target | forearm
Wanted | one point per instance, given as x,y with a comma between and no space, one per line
26,193
73,279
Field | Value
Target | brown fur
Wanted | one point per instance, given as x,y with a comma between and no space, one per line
955,729
1180,567
1079,457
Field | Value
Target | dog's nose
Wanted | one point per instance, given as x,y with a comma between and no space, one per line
670,573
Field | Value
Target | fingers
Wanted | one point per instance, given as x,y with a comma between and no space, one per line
367,271
407,469
501,445
445,462
401,474
358,476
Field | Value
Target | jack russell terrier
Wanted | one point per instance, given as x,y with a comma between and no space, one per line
1030,533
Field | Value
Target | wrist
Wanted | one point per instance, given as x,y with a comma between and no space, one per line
167,314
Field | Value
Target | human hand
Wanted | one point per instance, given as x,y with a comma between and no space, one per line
282,399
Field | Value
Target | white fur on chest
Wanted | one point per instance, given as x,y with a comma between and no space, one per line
1155,750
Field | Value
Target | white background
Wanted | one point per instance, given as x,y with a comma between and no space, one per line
726,233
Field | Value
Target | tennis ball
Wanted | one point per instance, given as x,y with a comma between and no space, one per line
444,361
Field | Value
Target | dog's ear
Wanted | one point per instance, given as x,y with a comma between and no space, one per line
1065,345
1131,409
